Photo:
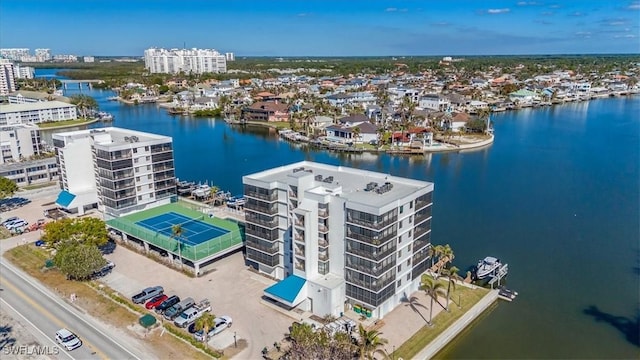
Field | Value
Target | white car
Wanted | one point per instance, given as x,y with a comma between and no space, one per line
222,323
16,224
68,339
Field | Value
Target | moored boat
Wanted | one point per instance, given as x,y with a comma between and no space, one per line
487,267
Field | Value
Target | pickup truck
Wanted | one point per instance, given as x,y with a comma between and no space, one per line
190,315
177,309
147,294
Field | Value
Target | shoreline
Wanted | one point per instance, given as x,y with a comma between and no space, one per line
92,121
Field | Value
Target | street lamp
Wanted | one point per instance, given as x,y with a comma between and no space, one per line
235,343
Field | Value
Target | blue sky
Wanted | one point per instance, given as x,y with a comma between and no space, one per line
324,28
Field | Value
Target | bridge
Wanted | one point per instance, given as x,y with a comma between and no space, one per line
80,83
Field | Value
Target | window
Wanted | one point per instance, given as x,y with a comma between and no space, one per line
409,277
148,167
408,262
399,268
400,225
137,178
399,253
139,197
409,233
135,151
139,188
146,148
399,283
401,209
135,160
409,247
149,177
150,186
148,158
137,169
410,204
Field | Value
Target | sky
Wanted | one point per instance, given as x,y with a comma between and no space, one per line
323,28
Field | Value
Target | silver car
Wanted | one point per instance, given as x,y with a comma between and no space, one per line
68,339
221,323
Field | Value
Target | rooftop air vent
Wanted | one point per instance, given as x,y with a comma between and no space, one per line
328,179
370,186
298,169
318,177
384,188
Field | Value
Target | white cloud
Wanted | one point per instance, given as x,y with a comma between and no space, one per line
528,3
391,9
628,36
498,11
303,14
634,6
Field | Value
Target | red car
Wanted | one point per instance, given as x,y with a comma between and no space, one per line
155,301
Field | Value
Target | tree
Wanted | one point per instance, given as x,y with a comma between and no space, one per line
433,289
453,276
176,232
205,323
87,231
369,343
7,187
356,133
78,260
308,343
84,103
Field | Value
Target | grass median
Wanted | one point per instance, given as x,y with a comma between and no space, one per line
102,303
464,297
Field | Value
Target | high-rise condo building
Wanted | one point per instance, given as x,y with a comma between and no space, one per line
119,171
338,237
196,61
7,77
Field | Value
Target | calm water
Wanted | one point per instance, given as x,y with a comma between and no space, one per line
556,196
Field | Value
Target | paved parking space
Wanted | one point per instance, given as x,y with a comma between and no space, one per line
232,289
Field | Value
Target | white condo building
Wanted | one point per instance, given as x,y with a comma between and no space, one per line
43,55
196,61
23,72
15,54
7,77
338,237
19,142
230,56
37,112
119,171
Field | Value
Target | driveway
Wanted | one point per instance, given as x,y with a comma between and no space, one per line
231,288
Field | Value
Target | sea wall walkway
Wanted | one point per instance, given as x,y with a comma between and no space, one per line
452,331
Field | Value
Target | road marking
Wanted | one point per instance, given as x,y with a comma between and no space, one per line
48,314
44,290
35,327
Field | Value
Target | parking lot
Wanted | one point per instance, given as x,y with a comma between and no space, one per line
231,288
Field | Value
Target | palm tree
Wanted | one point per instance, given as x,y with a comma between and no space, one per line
356,133
370,342
433,289
453,276
205,323
84,103
213,191
483,114
176,232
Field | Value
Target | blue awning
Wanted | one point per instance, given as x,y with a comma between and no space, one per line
65,198
287,289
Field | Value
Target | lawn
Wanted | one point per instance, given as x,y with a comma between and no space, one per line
468,298
54,124
102,303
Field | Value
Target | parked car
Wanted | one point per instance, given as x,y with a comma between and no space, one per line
68,339
167,304
190,315
221,323
147,294
38,225
104,270
39,243
108,248
177,309
11,219
16,224
156,301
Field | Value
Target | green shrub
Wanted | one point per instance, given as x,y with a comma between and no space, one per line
191,340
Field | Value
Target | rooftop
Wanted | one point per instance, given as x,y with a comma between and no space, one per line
41,105
349,183
111,136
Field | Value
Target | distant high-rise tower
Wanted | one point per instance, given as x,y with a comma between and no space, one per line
7,78
230,56
196,61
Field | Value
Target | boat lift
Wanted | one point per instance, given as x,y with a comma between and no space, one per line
498,275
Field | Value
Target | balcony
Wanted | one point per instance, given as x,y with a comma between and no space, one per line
323,228
159,148
374,240
298,236
420,230
266,249
323,243
423,201
255,206
376,271
299,222
372,224
270,224
323,213
265,197
323,256
293,194
374,256
300,266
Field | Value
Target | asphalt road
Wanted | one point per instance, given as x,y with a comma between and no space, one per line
47,313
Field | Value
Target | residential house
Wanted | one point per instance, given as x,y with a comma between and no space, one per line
523,96
344,130
266,111
435,102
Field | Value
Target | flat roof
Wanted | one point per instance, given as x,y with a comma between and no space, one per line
40,105
349,183
112,136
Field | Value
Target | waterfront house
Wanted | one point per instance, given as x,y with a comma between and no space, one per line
205,103
344,131
523,96
435,102
266,111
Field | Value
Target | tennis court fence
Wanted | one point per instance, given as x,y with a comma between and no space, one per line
190,251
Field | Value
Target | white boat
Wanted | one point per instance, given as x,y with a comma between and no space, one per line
487,266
